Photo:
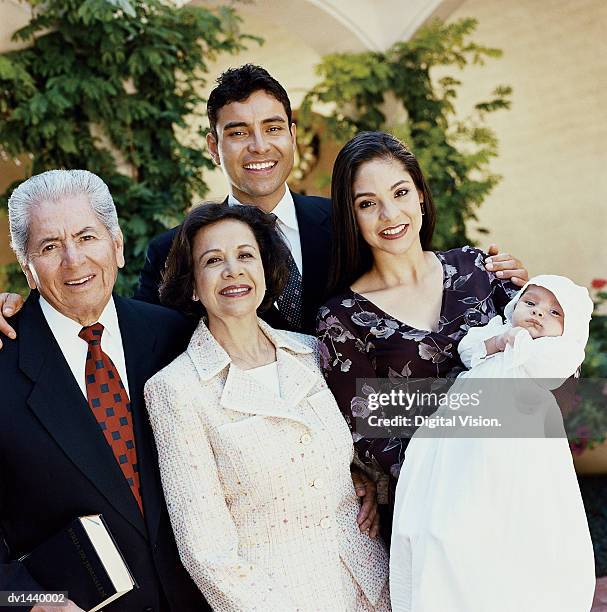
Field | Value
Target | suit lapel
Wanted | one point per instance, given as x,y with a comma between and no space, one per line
314,235
57,401
309,219
139,343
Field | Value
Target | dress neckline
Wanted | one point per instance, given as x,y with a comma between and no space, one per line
387,315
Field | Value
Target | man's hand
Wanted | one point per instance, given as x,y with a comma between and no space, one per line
368,517
10,304
69,607
506,266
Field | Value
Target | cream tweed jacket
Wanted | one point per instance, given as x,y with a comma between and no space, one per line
258,487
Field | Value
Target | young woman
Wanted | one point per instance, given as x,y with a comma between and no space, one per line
399,308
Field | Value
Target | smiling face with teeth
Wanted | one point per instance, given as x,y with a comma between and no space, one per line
387,207
72,259
255,146
228,271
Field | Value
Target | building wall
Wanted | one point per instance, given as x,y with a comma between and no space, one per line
551,207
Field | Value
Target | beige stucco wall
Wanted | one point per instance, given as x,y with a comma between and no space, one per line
13,15
551,207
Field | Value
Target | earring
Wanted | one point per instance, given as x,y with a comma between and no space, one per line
423,208
194,297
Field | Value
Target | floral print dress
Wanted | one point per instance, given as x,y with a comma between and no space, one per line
359,340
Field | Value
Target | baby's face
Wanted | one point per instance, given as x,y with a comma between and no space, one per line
539,312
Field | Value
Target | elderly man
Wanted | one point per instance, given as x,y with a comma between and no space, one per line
74,436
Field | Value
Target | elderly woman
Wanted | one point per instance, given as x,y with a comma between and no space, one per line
254,453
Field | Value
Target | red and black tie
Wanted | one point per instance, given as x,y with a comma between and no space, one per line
111,406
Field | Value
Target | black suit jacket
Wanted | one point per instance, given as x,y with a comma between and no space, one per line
314,220
56,464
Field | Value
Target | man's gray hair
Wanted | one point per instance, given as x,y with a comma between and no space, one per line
53,186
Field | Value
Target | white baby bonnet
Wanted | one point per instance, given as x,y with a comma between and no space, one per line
577,308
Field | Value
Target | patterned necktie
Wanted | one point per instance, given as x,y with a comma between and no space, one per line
110,404
290,301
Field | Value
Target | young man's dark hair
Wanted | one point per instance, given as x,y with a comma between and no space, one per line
237,84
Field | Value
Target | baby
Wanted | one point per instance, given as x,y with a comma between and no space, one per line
497,523
538,311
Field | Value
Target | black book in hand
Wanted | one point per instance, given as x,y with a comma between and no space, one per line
84,560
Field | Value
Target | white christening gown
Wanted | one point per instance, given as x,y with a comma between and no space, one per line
488,524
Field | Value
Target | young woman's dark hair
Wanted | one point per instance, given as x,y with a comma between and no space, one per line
350,255
177,286
237,84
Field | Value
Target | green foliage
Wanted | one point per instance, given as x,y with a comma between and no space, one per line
105,85
12,276
586,424
454,154
595,364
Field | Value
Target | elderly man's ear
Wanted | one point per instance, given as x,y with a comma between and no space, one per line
29,275
119,242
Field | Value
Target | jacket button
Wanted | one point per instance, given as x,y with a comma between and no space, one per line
148,609
305,439
317,484
325,523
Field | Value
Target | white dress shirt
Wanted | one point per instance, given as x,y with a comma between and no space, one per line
74,348
286,222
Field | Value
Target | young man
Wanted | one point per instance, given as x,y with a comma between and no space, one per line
252,138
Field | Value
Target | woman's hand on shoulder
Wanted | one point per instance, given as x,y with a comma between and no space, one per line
506,266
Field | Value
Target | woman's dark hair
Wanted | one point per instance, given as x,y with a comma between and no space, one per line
237,84
350,254
177,285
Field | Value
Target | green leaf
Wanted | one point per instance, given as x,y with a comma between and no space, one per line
125,6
